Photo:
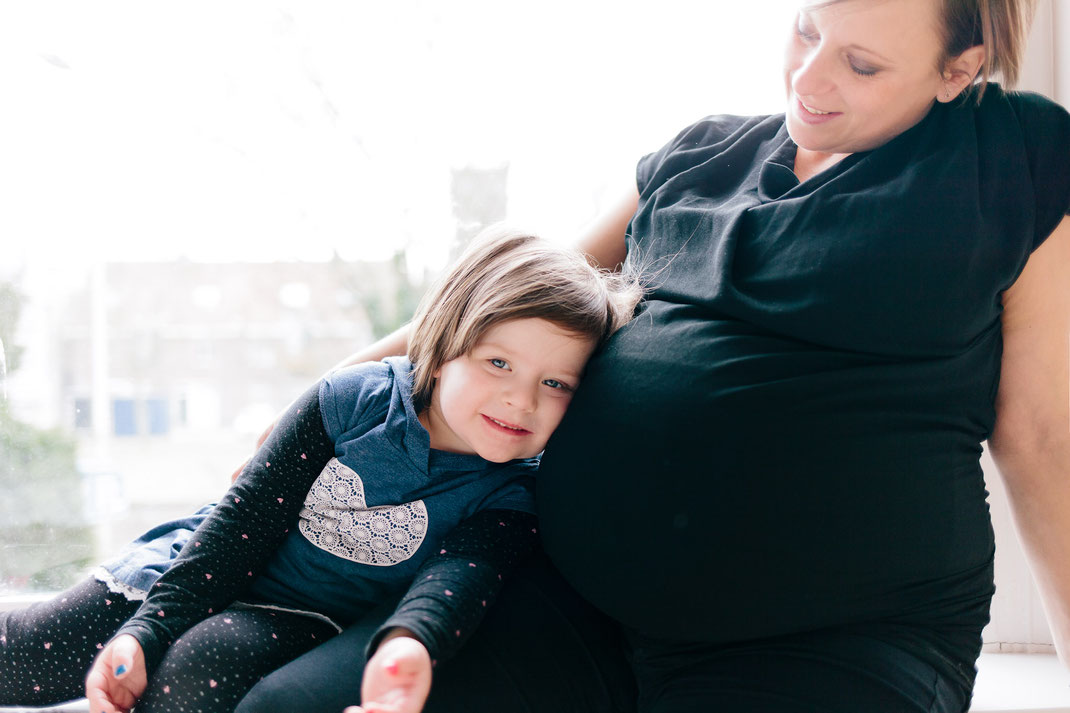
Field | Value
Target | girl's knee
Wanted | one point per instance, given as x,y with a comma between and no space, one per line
271,695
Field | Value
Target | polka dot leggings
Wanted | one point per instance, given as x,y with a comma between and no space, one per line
47,649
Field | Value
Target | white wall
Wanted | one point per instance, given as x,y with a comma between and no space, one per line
1061,58
1018,621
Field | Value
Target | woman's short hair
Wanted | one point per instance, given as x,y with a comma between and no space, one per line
1002,26
504,275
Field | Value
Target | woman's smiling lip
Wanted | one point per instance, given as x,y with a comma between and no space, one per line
505,426
808,114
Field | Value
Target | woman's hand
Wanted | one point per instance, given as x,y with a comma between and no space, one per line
259,442
397,679
117,678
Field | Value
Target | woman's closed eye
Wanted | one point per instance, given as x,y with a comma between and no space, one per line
861,69
809,35
806,32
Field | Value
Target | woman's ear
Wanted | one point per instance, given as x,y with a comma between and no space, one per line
960,72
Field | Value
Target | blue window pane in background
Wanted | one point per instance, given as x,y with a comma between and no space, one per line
159,416
125,417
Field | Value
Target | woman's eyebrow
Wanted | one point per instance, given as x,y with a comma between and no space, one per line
867,50
805,15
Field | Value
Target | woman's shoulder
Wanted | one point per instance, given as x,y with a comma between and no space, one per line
1033,106
705,139
1041,119
724,129
1040,135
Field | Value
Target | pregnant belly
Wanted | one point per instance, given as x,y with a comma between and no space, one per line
711,482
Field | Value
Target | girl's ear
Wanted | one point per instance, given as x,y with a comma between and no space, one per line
961,71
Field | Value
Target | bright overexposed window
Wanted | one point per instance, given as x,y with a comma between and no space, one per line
208,204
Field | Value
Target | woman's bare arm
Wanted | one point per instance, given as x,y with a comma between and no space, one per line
394,344
1031,440
604,239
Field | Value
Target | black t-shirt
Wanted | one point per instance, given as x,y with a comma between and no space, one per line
787,435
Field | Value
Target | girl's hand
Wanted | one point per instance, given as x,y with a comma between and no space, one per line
397,679
117,678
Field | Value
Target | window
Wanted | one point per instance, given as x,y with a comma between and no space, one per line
159,416
203,215
125,417
195,236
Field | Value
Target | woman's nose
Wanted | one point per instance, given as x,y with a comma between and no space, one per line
812,75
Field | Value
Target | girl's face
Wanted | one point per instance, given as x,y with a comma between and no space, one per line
860,72
504,399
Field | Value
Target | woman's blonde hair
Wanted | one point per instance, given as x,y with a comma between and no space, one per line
505,275
1002,26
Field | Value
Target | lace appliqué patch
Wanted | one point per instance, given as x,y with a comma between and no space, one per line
336,519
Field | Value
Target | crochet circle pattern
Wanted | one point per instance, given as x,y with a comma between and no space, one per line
336,518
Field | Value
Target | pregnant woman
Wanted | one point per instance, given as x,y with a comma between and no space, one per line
769,480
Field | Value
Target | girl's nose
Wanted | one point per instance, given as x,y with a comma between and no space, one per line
522,398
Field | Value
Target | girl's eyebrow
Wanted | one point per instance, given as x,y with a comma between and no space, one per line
496,346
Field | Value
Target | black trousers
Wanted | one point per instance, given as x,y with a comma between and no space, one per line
542,648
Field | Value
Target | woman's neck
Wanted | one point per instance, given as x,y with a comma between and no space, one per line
810,163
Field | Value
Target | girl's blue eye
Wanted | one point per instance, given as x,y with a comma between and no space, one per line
559,385
500,363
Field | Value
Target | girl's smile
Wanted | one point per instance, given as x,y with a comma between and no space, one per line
504,399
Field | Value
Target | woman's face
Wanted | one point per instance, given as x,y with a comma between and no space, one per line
860,72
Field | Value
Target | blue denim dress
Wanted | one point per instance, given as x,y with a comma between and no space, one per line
137,567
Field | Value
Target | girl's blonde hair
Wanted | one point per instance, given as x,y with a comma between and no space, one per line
505,275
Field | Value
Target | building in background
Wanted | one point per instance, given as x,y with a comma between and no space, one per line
166,372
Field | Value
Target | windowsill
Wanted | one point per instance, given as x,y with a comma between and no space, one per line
1021,683
18,601
1006,682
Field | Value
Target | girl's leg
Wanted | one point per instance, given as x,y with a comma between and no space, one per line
212,666
540,648
47,648
326,679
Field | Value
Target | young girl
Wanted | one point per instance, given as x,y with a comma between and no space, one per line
413,472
